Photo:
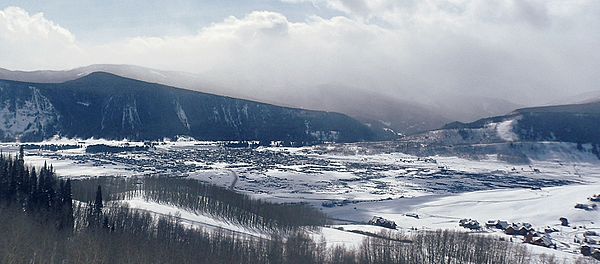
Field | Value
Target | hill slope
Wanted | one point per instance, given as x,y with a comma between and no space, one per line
576,123
103,105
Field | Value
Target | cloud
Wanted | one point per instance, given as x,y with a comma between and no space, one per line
527,51
32,41
534,12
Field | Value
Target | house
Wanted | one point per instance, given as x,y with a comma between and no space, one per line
544,241
596,254
521,229
529,238
491,223
563,221
510,230
590,251
469,224
499,224
593,240
587,207
586,250
380,221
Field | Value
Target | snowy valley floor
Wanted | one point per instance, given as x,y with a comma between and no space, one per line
352,187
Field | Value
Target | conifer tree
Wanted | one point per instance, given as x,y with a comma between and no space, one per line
32,200
98,202
66,206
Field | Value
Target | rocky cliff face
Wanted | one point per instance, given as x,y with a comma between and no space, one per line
103,105
25,112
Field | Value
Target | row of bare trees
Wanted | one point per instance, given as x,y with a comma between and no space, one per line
132,236
197,196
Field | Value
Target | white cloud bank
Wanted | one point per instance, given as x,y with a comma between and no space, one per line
528,51
32,41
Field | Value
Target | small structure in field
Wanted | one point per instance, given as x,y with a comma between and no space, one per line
587,207
328,204
564,221
413,215
549,229
380,221
595,198
469,224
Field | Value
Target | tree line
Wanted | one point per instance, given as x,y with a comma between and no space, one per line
200,197
38,193
125,235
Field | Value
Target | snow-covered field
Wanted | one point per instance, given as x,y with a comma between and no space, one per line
541,208
353,187
192,219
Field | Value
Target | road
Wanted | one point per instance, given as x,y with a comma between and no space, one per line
235,179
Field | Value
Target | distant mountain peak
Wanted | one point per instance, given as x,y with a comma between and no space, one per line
102,76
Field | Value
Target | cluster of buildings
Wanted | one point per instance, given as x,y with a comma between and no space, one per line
526,230
591,244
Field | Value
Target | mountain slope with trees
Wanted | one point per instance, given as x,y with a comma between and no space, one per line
103,105
576,123
397,111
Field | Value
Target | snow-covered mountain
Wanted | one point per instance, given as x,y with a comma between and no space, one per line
575,123
392,112
104,105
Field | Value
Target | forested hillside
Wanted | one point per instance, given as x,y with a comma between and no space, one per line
103,105
577,123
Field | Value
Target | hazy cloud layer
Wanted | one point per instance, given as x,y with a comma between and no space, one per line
527,51
32,41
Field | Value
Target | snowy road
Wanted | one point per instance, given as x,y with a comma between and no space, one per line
235,179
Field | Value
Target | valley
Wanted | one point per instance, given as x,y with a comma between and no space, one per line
300,132
352,183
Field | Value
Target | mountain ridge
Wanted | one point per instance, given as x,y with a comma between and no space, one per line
575,123
110,106
393,112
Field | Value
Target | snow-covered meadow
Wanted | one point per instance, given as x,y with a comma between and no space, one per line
418,193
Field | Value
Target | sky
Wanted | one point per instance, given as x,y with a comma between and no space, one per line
525,51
